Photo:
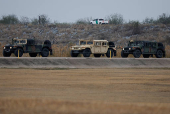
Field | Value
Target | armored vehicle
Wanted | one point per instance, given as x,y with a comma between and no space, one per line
20,46
146,48
95,47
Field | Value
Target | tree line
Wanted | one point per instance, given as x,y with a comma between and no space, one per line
13,19
115,19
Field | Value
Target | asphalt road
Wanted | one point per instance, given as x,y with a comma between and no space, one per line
80,58
81,62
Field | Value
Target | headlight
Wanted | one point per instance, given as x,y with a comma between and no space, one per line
10,47
123,48
79,48
129,48
4,47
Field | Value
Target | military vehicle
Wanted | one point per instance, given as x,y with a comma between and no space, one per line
146,48
20,46
95,47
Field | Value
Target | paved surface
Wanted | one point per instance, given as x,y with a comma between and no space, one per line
80,62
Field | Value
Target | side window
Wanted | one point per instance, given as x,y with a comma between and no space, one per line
30,42
153,44
22,41
104,43
148,44
98,43
16,41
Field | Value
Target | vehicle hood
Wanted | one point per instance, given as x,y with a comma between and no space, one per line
131,46
8,45
81,46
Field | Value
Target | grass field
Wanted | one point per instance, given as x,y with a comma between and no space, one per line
92,91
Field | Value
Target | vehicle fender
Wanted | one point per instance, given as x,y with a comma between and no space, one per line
46,47
88,48
137,49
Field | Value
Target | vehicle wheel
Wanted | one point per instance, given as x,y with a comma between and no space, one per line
159,54
124,55
137,53
146,55
33,54
100,23
5,54
86,53
20,52
108,53
74,54
45,52
97,55
91,23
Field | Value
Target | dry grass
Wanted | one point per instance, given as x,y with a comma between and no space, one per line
92,91
40,106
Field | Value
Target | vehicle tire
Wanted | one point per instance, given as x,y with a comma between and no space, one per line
45,52
97,55
159,54
137,53
86,53
124,55
5,54
91,23
100,23
20,52
74,54
33,54
146,55
108,53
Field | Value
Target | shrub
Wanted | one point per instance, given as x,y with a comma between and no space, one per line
115,19
149,21
136,27
24,20
10,19
35,21
84,21
164,19
43,19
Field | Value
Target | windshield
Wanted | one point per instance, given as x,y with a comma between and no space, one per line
82,42
101,19
135,43
15,41
89,42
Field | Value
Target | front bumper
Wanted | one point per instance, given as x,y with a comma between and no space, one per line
77,51
128,51
7,50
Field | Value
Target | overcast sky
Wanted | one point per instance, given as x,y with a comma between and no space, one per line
72,10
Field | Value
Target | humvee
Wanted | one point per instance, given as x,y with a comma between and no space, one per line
146,48
95,47
20,46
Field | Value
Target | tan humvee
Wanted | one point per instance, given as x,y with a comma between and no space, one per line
96,47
